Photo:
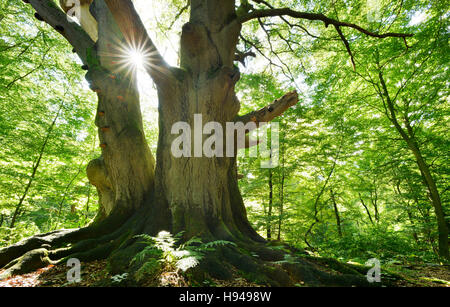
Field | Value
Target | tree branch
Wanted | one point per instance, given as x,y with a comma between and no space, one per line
281,12
347,45
131,26
313,16
272,111
30,72
55,17
287,21
241,56
183,9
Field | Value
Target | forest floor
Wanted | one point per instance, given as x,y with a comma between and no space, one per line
95,273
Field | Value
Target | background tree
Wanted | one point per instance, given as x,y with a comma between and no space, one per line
407,97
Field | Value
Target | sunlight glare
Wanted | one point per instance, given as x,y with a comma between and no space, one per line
136,58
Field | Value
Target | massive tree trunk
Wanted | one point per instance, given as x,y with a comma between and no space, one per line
202,192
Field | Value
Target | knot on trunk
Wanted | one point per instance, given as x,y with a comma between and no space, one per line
231,75
97,175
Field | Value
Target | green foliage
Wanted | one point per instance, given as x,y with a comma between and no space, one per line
119,279
375,242
41,81
22,230
162,253
342,129
150,268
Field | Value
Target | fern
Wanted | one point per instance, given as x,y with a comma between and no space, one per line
184,257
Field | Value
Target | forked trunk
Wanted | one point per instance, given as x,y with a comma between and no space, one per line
198,195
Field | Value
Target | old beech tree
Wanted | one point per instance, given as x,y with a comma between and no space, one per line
140,193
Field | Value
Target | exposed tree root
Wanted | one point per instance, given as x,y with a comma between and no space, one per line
227,263
12,252
258,262
90,243
276,268
30,261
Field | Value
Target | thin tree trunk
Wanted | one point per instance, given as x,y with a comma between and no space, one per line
66,190
367,209
86,211
316,202
410,139
336,213
398,191
374,201
34,170
425,215
413,225
269,211
63,199
283,176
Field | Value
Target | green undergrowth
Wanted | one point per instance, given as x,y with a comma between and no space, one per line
152,259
